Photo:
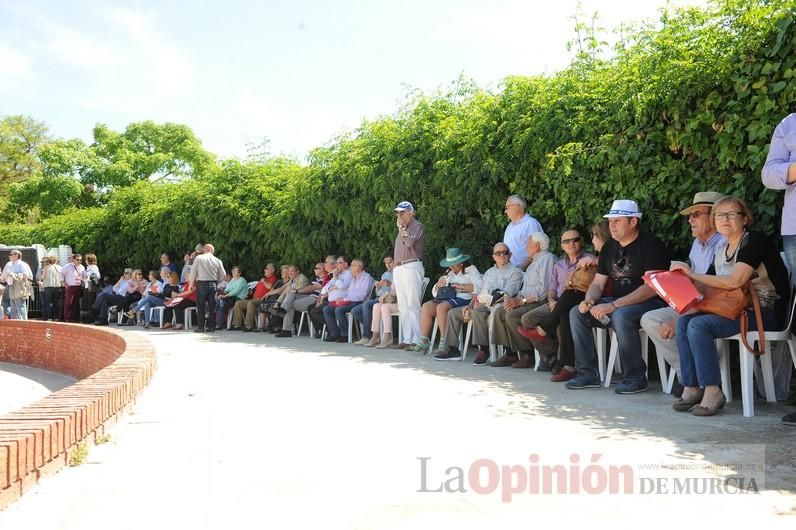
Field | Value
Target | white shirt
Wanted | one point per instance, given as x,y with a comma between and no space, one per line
516,236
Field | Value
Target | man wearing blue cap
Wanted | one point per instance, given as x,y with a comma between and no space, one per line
408,272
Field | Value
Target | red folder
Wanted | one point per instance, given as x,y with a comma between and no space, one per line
675,288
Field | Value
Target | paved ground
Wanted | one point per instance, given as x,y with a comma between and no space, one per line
20,385
249,431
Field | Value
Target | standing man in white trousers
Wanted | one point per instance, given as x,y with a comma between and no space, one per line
408,272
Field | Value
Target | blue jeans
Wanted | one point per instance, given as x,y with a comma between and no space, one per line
146,304
364,313
626,322
336,320
19,308
696,333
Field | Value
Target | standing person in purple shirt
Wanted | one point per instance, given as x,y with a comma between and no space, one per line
779,173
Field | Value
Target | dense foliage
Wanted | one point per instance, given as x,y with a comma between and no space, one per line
686,105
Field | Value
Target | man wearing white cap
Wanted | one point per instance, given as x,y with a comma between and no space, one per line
659,324
624,260
408,272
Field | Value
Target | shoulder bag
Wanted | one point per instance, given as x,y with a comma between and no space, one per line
732,304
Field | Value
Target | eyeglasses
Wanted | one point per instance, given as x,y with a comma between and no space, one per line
570,241
500,253
727,216
697,214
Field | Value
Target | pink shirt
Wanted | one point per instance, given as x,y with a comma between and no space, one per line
71,275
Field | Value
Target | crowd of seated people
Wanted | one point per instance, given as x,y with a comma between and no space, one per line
538,307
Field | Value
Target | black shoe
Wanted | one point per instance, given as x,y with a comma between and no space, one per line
282,334
342,338
451,354
236,328
247,329
210,330
330,338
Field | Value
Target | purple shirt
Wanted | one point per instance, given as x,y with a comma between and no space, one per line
360,288
781,154
561,271
71,275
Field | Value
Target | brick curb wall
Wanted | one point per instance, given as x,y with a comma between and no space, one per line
38,439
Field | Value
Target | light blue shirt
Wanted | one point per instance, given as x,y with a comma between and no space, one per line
781,154
360,288
516,236
536,281
702,254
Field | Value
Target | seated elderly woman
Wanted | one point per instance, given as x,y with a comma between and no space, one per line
176,305
364,312
455,289
234,291
745,256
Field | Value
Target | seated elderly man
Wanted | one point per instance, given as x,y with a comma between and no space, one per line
302,298
548,345
660,323
334,290
533,294
503,279
244,312
335,312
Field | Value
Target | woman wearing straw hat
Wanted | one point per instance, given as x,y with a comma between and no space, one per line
454,289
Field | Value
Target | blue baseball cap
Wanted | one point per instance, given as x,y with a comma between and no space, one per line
404,206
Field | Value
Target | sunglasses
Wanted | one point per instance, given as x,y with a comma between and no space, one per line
501,253
570,241
697,214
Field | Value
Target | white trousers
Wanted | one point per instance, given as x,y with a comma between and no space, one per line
408,280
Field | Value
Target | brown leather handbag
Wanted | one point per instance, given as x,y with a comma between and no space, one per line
732,304
581,277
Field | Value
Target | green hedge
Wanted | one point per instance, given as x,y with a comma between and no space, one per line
686,107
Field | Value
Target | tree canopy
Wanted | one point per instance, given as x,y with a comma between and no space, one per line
686,105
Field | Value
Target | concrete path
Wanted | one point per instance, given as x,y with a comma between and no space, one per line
21,385
249,431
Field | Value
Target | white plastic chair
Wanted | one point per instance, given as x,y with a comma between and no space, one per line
310,327
613,358
188,320
747,362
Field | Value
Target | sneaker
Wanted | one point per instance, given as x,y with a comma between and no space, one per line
583,381
631,387
505,360
362,342
789,419
452,354
481,358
